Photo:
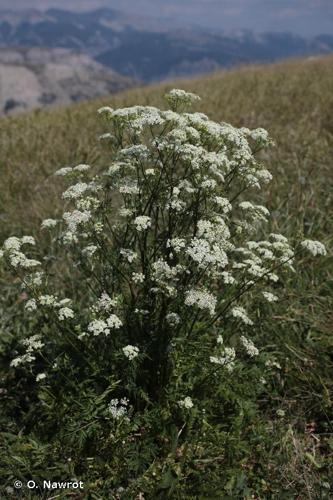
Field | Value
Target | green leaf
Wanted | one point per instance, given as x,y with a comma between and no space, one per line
169,480
312,459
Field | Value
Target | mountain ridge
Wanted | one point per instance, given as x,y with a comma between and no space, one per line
149,50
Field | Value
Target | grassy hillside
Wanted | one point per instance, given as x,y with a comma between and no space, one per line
290,456
293,100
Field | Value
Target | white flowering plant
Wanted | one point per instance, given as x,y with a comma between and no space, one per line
170,269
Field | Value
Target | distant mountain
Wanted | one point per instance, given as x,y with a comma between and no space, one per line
37,77
146,49
92,31
152,56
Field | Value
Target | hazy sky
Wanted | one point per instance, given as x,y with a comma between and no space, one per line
299,16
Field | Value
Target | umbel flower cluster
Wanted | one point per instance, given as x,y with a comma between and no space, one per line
164,247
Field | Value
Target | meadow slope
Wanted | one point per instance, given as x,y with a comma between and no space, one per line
293,101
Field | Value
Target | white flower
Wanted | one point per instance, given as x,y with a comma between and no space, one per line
175,203
172,319
264,176
31,305
187,186
125,212
227,277
12,243
40,376
35,279
163,272
249,347
144,312
88,203
199,251
138,151
89,250
105,110
186,403
69,237
208,184
226,359
105,303
257,211
129,186
48,223
314,247
128,254
203,253
65,313
176,96
173,117
280,413
201,299
48,300
82,168
239,312
32,344
75,218
114,322
177,244
28,240
131,352
265,253
142,222
20,360
75,191
214,232
118,409
273,277
18,259
98,227
117,167
259,135
278,237
106,136
150,171
138,278
98,326
64,302
270,297
64,171
223,203
192,134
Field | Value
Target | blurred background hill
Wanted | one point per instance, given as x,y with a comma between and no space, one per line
107,49
39,76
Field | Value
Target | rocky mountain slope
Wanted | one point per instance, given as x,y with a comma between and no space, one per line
36,77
